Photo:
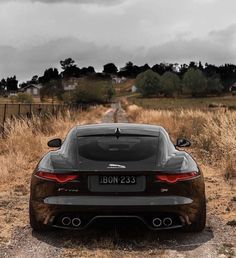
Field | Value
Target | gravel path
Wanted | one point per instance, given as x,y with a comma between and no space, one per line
124,240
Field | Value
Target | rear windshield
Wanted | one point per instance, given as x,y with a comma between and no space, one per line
124,148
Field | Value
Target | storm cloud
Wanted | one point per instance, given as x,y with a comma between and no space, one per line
211,48
98,2
40,33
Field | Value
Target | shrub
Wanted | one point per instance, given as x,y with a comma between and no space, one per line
90,91
148,83
52,89
195,83
214,85
23,98
171,84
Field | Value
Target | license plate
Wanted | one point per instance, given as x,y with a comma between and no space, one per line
117,180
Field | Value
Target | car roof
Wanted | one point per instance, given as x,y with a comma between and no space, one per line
118,128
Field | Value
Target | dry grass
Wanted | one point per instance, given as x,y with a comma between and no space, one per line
213,133
26,140
23,146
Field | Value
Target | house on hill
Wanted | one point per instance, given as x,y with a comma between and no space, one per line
118,80
32,89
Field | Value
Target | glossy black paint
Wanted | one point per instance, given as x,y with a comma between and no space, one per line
183,201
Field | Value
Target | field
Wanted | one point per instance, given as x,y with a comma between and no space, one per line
183,103
212,135
25,142
214,146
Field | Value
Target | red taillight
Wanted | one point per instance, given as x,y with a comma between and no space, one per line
60,178
173,178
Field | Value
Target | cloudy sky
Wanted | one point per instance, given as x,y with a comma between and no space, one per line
37,34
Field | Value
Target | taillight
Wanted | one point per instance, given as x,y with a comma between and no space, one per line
60,178
173,178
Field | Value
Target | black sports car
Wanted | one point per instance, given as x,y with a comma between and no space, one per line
117,171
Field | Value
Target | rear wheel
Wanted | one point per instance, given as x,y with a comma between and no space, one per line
35,225
200,223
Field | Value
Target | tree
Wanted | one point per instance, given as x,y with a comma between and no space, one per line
3,85
49,74
87,70
67,63
164,67
69,68
110,68
11,84
128,70
195,82
52,89
34,79
148,83
90,91
171,84
214,85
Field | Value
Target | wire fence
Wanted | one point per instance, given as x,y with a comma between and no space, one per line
11,111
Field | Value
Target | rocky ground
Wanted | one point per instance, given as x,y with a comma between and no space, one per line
126,240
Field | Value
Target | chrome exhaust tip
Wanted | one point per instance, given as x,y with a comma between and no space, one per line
167,222
66,221
76,222
156,222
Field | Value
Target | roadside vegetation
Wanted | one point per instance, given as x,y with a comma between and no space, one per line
213,145
212,103
90,91
21,97
193,84
212,133
24,144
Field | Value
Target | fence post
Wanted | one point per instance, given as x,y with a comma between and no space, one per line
19,110
4,118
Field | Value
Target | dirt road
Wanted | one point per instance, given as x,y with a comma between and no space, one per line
126,240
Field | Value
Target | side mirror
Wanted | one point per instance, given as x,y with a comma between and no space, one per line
181,142
55,143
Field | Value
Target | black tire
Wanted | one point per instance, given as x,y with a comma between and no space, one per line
35,225
200,223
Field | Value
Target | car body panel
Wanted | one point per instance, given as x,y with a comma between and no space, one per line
50,200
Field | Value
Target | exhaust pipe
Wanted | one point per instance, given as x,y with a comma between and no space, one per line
167,222
76,222
156,222
66,221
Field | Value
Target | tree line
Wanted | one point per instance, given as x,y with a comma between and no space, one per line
223,74
193,83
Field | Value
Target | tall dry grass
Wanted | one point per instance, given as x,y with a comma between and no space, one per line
26,140
213,134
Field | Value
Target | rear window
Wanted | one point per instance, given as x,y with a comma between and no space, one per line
124,148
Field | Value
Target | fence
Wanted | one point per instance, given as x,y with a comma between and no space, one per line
9,111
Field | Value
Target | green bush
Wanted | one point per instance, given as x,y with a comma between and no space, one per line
148,83
170,84
91,91
52,89
214,85
195,83
22,98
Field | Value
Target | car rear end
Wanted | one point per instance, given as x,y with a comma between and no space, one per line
117,177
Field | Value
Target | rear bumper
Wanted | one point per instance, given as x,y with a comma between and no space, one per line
112,201
51,210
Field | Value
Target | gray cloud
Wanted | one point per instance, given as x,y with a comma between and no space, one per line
97,2
103,2
27,62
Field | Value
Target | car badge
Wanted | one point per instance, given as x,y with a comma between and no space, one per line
117,133
116,166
